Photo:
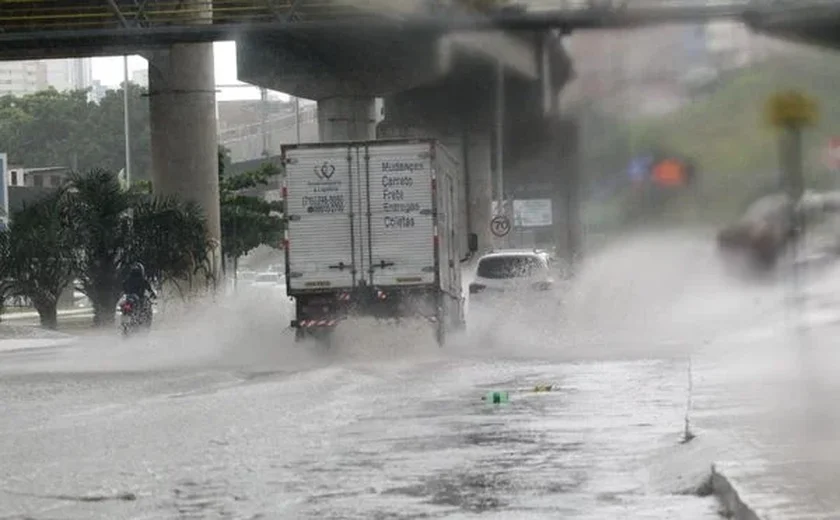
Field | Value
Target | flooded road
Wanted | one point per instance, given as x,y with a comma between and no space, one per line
396,440
228,418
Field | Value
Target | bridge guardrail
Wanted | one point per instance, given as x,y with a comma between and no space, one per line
101,14
23,15
233,134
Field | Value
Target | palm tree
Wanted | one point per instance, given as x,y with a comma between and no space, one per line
101,221
170,236
39,259
115,228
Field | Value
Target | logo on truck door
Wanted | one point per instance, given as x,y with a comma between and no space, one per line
324,171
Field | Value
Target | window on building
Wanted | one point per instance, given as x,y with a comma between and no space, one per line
38,181
55,181
14,178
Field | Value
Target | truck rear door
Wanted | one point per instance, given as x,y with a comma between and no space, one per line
321,193
399,240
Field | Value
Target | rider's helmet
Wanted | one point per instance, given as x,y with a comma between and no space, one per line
137,269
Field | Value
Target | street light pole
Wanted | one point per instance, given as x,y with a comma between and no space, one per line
297,118
264,120
790,112
499,134
126,121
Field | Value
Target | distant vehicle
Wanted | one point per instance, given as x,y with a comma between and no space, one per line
268,279
512,271
247,275
373,230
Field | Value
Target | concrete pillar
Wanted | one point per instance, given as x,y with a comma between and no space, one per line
182,107
568,225
346,119
478,151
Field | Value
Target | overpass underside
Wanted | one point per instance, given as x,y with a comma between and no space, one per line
36,29
448,86
487,94
805,21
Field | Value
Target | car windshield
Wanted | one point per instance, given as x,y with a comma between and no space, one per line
509,266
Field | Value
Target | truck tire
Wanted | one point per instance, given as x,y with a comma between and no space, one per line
461,316
300,334
440,332
324,337
461,325
442,321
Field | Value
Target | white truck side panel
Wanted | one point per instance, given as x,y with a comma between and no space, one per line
449,214
320,183
400,240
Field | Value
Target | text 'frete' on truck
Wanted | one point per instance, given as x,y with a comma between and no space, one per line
374,229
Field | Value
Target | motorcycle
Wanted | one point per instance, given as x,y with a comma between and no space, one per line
134,314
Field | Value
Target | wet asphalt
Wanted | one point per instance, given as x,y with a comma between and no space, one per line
222,415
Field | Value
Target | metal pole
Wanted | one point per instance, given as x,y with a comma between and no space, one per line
297,118
126,121
500,133
264,120
790,147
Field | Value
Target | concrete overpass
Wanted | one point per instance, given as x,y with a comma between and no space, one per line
248,142
815,22
490,94
341,53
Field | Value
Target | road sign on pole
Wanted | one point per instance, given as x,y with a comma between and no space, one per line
791,111
500,226
532,213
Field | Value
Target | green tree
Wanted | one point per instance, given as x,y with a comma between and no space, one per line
114,228
51,128
6,279
170,236
247,221
39,258
100,210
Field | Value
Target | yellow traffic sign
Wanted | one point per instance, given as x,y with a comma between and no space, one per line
791,108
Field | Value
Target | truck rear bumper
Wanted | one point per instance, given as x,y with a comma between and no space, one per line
328,309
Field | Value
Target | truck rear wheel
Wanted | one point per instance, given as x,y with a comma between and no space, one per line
440,333
324,336
300,334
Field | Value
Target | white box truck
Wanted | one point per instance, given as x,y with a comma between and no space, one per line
372,230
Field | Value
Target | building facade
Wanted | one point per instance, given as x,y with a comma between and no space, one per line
140,77
69,74
49,177
19,78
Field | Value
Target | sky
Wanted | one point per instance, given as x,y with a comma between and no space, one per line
110,72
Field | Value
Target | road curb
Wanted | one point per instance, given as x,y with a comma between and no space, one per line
729,497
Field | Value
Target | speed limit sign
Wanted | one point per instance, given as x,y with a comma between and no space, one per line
500,226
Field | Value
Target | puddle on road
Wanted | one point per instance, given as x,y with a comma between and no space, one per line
472,492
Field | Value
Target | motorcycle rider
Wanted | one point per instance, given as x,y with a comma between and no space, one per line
136,284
